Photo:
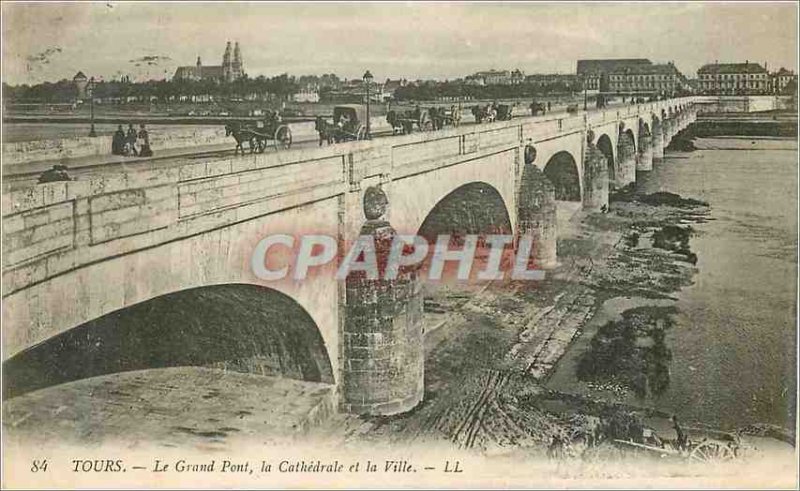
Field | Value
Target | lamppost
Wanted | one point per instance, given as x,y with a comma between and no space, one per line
367,82
91,105
584,91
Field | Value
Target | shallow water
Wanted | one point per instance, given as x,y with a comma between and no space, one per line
734,340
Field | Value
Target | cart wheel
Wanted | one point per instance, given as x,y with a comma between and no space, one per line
708,451
262,145
283,138
427,126
361,132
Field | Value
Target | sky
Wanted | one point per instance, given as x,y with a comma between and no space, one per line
51,41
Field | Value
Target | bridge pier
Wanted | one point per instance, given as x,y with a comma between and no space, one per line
595,176
644,161
536,216
383,368
626,158
657,143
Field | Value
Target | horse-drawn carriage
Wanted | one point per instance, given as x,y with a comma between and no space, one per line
493,112
404,121
258,132
348,124
694,444
505,112
537,108
442,116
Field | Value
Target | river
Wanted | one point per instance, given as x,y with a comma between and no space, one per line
734,340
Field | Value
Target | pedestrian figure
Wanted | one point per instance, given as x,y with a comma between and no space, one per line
57,173
344,121
556,448
548,106
131,139
118,142
682,439
533,107
143,142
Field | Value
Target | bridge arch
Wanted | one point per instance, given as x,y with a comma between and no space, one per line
562,170
413,198
644,128
629,133
472,208
605,146
239,327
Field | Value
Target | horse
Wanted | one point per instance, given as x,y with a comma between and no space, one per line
392,117
437,117
455,114
401,121
478,112
537,108
504,112
326,130
482,113
240,134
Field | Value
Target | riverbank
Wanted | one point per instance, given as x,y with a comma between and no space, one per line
490,366
780,124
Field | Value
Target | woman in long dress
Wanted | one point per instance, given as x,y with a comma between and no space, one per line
118,142
130,140
143,142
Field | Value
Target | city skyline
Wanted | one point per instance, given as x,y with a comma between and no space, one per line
413,41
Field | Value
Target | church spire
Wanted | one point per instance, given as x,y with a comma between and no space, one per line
238,70
226,58
227,73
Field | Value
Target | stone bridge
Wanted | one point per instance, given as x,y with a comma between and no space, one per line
153,268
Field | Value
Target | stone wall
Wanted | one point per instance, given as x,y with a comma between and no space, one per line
736,104
83,146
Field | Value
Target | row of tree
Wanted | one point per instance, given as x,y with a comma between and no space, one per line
281,87
65,91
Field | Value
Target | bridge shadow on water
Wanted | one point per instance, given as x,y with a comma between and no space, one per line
237,327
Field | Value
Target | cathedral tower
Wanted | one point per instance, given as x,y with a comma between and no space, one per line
227,72
238,66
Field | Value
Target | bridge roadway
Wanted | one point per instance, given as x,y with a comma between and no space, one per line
149,268
22,175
